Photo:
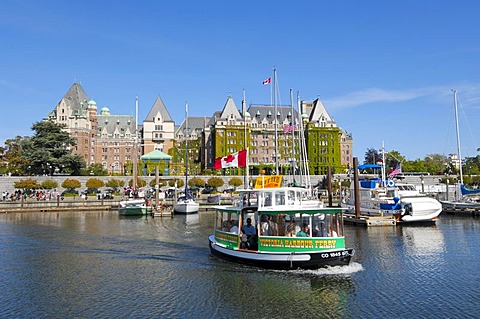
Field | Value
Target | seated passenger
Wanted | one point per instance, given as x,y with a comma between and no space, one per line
234,228
304,232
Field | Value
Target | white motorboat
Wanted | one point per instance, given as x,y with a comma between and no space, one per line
380,197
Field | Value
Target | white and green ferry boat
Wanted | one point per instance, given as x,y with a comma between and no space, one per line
291,231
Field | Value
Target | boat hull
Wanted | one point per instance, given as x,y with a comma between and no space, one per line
132,211
284,260
186,208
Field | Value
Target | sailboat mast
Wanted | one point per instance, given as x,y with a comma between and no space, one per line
135,148
276,120
186,148
455,103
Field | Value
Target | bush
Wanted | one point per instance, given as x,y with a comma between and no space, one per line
215,182
49,184
71,185
94,183
28,183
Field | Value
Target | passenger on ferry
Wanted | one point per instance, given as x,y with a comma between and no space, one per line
304,232
234,228
249,229
265,226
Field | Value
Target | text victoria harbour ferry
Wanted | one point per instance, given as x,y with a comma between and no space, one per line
279,228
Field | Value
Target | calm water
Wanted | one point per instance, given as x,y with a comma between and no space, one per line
100,265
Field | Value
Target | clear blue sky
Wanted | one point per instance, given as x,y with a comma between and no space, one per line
384,69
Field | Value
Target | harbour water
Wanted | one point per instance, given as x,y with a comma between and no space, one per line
101,265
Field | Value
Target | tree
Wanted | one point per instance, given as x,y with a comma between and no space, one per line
95,169
180,182
28,183
49,184
196,181
436,164
93,184
71,185
372,156
115,184
235,182
49,149
140,182
471,165
215,182
17,164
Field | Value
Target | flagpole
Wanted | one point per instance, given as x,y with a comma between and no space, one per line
244,109
292,127
275,115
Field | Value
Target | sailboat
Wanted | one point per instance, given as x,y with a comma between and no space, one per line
467,198
134,206
186,204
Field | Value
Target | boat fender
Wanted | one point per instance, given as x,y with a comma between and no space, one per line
390,183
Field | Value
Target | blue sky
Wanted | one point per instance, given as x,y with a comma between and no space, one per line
384,69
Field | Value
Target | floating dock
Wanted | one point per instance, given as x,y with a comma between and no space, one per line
369,221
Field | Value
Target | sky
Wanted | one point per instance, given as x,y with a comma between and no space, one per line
384,70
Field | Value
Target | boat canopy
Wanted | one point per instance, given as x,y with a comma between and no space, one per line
366,166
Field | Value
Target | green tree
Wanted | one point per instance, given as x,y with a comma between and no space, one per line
180,183
436,164
140,182
215,182
235,182
16,162
372,156
196,181
471,165
49,184
71,185
49,149
94,169
93,184
28,183
115,184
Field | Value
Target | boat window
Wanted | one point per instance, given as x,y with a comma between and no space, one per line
225,221
270,225
280,198
320,225
268,199
291,197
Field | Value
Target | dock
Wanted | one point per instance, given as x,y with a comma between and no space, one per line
369,221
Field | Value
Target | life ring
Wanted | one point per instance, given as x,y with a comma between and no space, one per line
390,183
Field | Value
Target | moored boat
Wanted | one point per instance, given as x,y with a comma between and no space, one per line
402,201
287,234
133,207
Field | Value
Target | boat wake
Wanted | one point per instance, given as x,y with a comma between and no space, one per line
353,267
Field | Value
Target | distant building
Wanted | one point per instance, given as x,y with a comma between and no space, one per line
100,138
109,139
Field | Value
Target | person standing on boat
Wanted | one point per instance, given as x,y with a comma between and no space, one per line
249,229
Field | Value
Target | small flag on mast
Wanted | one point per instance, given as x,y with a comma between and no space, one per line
267,81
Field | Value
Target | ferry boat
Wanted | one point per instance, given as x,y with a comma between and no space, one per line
290,230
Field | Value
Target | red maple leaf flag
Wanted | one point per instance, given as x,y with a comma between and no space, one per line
267,81
238,159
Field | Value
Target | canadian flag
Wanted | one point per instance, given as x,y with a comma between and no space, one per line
238,159
267,81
